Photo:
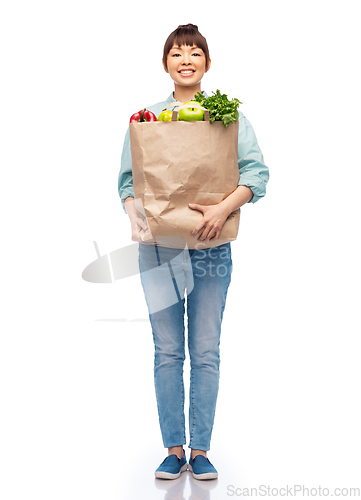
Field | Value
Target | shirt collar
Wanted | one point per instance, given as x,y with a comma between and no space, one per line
171,98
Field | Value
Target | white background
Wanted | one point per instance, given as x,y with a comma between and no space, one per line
78,417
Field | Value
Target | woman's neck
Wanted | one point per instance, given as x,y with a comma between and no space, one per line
184,94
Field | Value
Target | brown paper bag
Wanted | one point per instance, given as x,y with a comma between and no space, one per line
176,163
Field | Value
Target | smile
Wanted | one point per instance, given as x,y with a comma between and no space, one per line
186,72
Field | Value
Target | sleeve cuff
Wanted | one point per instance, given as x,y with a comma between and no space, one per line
257,186
127,192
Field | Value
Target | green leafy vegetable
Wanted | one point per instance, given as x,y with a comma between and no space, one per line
220,108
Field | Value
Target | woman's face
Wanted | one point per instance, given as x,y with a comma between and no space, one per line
186,65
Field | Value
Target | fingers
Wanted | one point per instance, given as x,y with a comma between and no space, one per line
196,206
204,233
141,224
213,233
138,225
201,208
211,230
136,235
208,235
215,236
196,230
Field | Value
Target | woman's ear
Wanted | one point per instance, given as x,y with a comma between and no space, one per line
209,65
165,68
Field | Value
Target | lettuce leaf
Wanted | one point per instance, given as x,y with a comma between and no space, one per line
220,108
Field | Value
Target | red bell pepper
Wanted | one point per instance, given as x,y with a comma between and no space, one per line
143,116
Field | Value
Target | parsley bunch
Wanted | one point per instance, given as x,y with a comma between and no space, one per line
220,108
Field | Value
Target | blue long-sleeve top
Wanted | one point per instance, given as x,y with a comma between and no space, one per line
252,169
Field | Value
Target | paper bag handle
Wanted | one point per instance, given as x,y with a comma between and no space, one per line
179,105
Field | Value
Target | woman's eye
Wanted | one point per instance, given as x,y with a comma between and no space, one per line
176,55
196,54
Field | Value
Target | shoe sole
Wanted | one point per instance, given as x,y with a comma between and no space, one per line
169,475
206,475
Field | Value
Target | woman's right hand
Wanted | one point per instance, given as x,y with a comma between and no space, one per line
138,225
137,221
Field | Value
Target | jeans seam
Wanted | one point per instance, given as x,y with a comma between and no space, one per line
182,383
192,407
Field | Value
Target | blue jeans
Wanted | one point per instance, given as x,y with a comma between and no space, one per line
166,274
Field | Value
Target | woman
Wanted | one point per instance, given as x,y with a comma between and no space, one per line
186,59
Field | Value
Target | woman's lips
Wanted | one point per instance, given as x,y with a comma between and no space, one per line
188,72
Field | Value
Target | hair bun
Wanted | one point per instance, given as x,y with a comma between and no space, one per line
188,26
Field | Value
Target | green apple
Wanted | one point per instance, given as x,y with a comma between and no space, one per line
191,113
165,116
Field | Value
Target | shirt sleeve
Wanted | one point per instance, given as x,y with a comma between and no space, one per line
252,169
125,178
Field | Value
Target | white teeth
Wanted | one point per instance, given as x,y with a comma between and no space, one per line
187,72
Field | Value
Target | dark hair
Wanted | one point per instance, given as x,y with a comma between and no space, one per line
186,34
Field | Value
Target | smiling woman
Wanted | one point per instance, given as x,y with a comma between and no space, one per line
201,296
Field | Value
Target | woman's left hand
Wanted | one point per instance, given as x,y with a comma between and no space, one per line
214,217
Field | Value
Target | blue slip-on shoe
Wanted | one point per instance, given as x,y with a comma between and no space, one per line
202,468
171,467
